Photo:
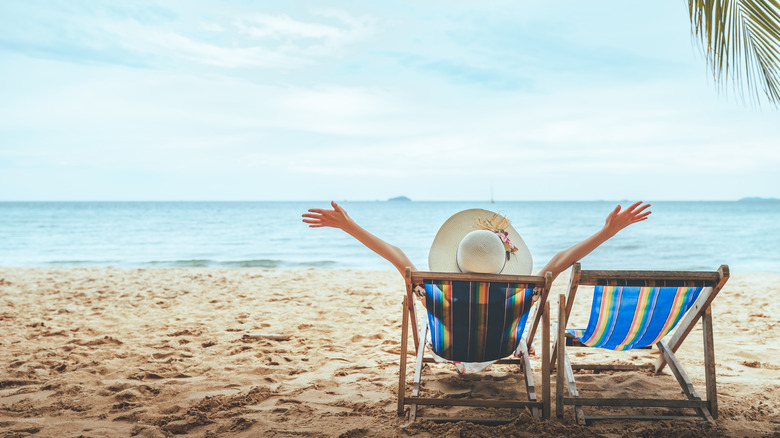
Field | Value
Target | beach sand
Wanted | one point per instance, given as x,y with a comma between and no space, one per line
158,352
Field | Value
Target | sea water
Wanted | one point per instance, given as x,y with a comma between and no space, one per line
678,235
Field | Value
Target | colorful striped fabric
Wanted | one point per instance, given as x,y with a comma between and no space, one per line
626,317
474,321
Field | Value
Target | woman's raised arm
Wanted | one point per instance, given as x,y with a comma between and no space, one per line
338,218
616,221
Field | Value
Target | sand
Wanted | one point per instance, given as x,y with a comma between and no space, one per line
277,353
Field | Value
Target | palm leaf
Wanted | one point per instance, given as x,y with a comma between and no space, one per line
742,43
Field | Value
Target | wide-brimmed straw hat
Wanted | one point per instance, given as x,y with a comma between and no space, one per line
479,241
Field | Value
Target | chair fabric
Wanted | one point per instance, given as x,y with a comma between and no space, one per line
472,321
628,317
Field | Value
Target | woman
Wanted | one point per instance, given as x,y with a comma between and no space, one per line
478,241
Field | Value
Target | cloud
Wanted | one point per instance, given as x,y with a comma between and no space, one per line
365,102
160,37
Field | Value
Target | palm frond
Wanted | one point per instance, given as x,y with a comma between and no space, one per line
742,43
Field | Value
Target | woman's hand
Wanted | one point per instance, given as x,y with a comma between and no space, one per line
338,218
617,219
320,217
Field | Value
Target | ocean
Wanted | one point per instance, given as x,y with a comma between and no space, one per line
678,235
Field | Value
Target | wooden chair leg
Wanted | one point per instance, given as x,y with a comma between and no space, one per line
579,414
709,362
682,378
528,372
402,371
574,282
546,362
560,344
418,372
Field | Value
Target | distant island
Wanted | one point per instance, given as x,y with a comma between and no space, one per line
758,199
399,198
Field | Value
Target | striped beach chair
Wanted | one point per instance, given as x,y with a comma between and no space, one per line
475,318
638,309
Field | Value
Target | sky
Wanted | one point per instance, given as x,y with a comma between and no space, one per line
320,100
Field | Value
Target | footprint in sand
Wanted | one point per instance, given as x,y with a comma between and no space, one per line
100,341
20,429
129,394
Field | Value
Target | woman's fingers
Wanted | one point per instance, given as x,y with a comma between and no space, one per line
613,213
640,212
637,214
633,206
632,210
641,217
321,217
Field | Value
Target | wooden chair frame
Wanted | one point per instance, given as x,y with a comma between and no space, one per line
706,409
409,319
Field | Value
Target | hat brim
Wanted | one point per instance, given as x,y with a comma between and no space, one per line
444,249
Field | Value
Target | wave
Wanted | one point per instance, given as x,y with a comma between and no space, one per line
254,263
189,263
82,263
265,263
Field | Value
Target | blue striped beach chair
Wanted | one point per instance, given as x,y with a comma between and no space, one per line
474,318
638,309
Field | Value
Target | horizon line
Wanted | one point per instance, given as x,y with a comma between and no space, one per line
743,199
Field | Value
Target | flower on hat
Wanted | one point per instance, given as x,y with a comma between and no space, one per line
508,245
497,224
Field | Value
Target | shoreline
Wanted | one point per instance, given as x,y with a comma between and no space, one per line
563,277
107,351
